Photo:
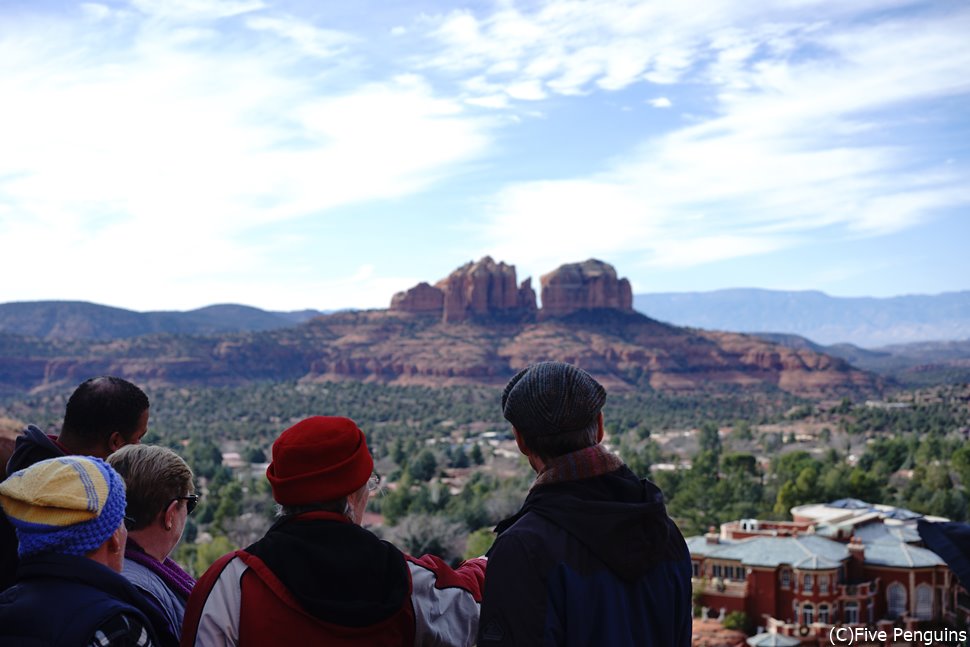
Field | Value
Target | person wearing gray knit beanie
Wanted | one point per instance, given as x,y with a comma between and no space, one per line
555,408
592,552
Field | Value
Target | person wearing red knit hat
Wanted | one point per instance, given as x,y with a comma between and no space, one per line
317,576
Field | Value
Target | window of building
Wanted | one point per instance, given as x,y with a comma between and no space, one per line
851,613
896,599
924,602
716,570
823,584
823,613
695,568
808,614
785,578
807,582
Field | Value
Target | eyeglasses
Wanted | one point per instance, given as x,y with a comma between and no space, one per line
129,522
191,500
374,482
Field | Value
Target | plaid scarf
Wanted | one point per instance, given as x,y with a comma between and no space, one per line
175,578
583,464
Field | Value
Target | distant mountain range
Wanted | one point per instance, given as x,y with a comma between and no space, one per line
789,335
864,321
72,320
476,326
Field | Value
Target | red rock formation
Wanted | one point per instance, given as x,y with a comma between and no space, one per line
484,289
588,285
481,290
526,298
422,299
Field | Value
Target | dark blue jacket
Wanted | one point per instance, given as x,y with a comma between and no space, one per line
32,446
61,600
589,563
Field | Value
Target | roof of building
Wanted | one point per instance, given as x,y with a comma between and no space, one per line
807,552
773,640
880,533
900,555
851,512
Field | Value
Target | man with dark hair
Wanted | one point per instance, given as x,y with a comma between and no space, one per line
102,415
592,557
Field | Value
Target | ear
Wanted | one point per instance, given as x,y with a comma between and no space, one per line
519,442
168,514
599,431
116,441
117,540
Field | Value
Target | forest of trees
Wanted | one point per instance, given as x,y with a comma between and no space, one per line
717,457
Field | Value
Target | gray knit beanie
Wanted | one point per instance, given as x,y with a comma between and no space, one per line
550,398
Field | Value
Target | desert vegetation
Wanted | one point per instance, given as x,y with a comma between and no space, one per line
451,471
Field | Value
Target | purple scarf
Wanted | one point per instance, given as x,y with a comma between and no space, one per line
175,578
583,464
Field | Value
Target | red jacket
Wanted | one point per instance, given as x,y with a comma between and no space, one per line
319,578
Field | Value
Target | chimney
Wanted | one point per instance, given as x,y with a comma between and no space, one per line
857,558
711,535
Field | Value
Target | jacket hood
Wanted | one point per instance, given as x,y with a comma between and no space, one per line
339,572
621,519
32,446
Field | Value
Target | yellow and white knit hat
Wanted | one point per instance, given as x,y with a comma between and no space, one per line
68,505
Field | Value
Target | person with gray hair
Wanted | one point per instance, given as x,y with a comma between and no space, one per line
317,577
592,551
161,496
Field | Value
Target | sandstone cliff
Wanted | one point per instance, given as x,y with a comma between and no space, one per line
483,290
589,285
422,299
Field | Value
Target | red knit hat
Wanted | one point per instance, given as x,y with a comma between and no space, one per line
319,459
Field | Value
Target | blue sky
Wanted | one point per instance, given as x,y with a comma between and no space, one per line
170,154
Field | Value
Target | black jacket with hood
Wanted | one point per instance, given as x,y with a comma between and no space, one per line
590,562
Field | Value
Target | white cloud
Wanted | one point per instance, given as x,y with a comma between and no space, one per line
197,9
164,155
797,149
660,102
311,39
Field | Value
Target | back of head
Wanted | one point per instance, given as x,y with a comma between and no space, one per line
154,476
69,505
555,407
100,407
317,460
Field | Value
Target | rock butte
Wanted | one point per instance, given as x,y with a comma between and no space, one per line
476,326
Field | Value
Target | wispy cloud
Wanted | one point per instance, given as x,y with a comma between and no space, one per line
196,133
199,140
807,137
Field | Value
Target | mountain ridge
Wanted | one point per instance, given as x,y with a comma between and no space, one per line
477,326
86,320
868,322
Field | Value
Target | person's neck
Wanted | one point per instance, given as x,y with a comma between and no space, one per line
152,542
75,448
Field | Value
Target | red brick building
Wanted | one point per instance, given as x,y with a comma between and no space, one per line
845,563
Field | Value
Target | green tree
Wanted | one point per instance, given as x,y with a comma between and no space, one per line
230,497
479,542
424,466
460,458
208,553
476,454
709,439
